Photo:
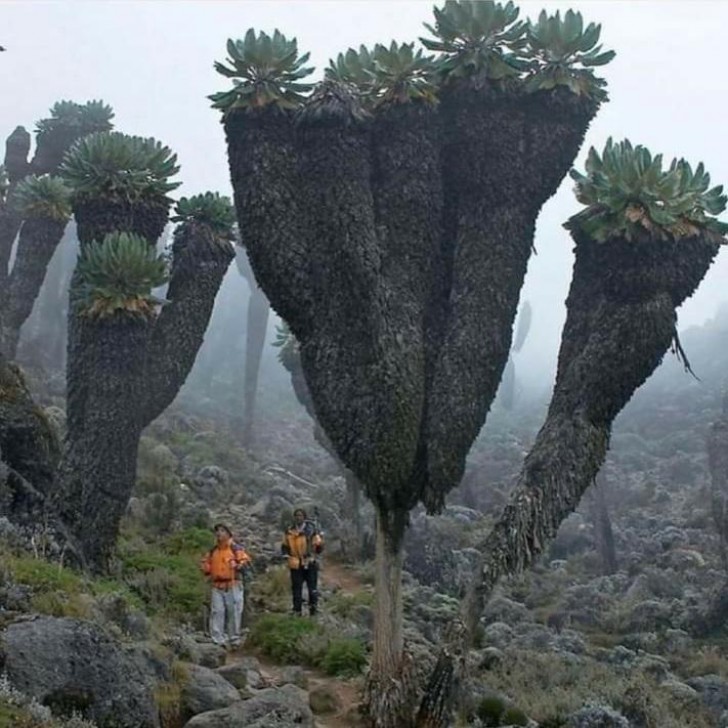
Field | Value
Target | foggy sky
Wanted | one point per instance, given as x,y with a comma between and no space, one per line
152,61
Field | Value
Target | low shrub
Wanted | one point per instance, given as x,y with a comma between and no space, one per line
166,574
344,657
278,636
489,710
343,605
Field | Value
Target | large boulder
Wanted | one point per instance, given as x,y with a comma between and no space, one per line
73,665
270,708
713,691
204,690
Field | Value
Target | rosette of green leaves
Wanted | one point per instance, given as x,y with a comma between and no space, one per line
402,74
120,166
355,67
43,196
118,275
88,118
628,194
563,53
477,37
265,70
211,209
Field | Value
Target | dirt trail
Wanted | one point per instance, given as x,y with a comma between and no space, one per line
338,577
335,574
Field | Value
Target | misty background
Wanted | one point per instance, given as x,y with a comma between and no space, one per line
153,62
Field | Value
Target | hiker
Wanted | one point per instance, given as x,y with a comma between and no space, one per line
302,543
224,565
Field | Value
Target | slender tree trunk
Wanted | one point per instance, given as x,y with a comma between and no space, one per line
199,265
39,238
718,463
617,330
390,689
258,310
604,535
353,509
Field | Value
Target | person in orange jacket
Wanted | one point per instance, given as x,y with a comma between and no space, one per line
302,543
223,565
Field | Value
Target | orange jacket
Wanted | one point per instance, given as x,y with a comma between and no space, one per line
302,546
223,564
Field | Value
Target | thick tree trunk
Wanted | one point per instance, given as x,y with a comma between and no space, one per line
620,322
504,155
258,310
39,238
603,533
718,463
105,391
353,511
199,265
95,218
390,689
357,345
265,177
98,471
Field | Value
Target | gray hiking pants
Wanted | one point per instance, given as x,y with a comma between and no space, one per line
226,611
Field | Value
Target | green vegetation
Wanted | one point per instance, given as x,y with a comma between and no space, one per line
355,67
43,196
345,657
477,37
57,590
210,209
344,605
266,71
165,573
118,275
11,716
119,166
557,46
289,639
628,194
278,636
393,74
88,118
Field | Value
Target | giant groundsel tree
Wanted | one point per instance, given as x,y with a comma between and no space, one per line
38,204
127,359
389,218
644,241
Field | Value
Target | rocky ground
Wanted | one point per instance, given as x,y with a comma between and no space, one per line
575,642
